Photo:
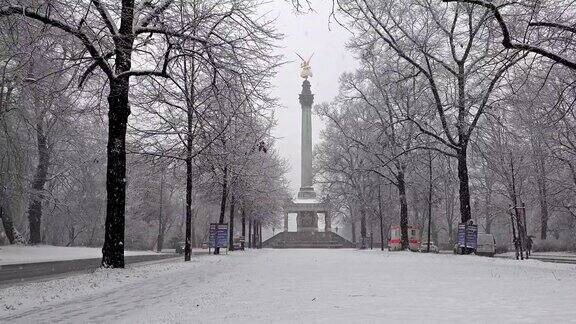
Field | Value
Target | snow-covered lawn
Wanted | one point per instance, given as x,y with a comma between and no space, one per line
346,286
10,254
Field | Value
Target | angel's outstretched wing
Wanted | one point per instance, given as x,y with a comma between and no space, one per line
310,58
300,56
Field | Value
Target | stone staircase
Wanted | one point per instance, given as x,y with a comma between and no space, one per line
307,240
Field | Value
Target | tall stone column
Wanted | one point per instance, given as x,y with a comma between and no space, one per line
307,220
306,101
328,221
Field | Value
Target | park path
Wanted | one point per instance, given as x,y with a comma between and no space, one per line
330,286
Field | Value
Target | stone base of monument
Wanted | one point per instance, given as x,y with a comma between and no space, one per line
307,221
307,240
307,193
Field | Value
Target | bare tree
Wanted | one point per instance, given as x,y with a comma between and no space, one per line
542,27
122,29
444,46
204,94
116,35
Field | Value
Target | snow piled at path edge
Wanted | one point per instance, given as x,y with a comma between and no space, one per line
16,254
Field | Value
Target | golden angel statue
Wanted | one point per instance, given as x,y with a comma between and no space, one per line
306,71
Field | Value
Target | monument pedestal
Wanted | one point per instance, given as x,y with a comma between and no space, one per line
307,221
307,240
305,205
307,193
307,235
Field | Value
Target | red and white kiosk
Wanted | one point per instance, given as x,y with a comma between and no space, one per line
395,241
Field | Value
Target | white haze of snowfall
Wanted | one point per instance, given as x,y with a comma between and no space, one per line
312,33
322,286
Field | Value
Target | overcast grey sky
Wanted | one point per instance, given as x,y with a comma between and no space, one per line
306,34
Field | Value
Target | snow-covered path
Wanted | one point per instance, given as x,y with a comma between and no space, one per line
306,286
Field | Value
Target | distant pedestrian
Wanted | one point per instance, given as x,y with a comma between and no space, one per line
516,247
529,243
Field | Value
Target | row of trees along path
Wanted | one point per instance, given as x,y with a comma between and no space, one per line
156,36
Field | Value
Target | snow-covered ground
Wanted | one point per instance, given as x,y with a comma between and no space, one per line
564,254
306,286
10,254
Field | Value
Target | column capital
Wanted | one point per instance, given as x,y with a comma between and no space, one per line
306,97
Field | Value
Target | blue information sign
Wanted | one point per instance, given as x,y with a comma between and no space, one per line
218,235
467,235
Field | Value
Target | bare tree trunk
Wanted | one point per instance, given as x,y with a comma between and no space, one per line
223,201
231,225
189,148
7,221
403,209
250,233
489,216
429,199
118,112
353,230
160,240
363,227
243,228
448,195
40,179
465,211
8,224
520,242
259,235
542,195
254,233
188,237
381,216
